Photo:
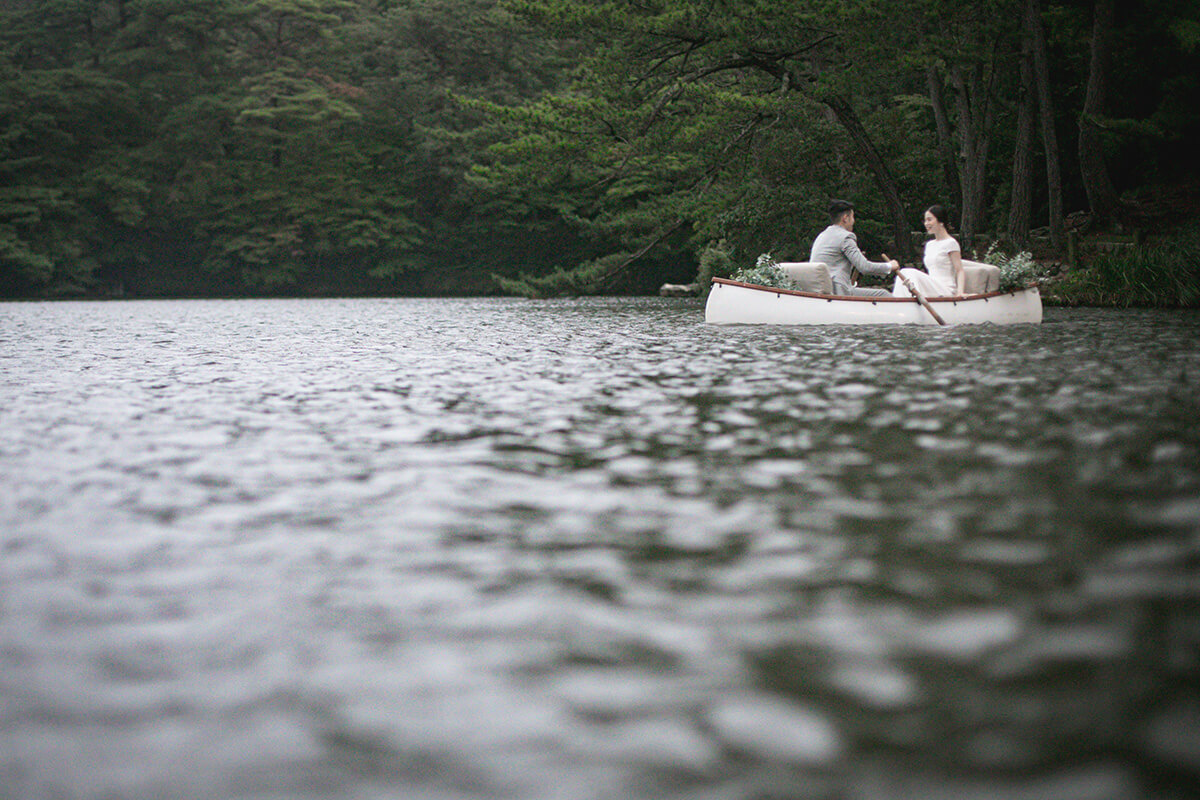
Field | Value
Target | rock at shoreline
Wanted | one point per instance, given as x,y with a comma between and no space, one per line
679,290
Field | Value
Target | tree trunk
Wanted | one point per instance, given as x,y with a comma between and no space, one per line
975,117
90,30
1022,167
1101,195
276,138
944,133
845,115
1041,75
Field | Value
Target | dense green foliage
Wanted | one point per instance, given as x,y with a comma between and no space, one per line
1164,273
166,148
302,146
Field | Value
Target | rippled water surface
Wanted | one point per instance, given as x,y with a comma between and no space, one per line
594,549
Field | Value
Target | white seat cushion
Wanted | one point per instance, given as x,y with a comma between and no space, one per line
981,277
809,276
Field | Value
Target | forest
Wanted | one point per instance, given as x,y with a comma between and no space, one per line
173,148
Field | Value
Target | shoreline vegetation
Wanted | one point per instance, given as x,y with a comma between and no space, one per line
1147,270
1118,271
544,148
1162,272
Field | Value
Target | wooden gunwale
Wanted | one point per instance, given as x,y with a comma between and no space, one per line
860,299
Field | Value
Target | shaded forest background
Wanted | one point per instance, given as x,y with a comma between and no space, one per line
424,147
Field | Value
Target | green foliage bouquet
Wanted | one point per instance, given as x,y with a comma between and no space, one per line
765,272
1016,271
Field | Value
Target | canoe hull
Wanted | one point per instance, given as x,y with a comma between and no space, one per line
734,303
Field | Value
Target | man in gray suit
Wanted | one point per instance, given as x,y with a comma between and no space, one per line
837,246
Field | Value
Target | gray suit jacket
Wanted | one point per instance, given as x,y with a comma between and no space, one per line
838,248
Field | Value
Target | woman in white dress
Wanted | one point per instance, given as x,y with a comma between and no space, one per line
943,260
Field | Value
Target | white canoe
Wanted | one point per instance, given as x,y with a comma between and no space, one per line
735,303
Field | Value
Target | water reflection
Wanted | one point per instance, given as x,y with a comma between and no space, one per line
591,549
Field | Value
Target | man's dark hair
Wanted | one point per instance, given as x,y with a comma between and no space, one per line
837,208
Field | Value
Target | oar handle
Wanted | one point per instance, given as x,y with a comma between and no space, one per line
908,284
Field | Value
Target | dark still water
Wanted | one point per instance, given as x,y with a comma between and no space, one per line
594,549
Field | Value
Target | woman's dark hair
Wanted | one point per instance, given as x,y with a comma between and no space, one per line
940,214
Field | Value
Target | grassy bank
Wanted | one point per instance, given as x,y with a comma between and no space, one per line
1163,272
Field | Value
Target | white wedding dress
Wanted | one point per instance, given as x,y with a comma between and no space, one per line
939,281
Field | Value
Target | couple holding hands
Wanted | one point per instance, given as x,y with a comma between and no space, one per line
837,246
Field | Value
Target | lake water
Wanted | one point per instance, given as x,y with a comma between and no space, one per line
594,549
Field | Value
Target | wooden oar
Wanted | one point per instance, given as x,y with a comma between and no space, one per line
908,284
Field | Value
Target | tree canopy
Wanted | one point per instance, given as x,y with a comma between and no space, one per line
243,147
